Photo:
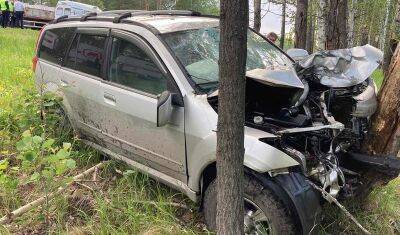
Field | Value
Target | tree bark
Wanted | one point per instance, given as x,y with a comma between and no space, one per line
283,25
257,15
234,20
351,22
300,24
321,25
336,25
385,129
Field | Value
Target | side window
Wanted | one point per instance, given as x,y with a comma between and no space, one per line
53,45
89,54
71,56
132,67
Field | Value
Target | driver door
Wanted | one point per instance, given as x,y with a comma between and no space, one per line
136,78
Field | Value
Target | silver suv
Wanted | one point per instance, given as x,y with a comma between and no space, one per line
142,87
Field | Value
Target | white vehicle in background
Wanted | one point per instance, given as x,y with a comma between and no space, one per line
37,16
71,8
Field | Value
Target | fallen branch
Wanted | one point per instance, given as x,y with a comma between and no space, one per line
84,185
330,198
10,216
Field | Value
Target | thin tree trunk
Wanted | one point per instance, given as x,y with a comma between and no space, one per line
336,25
257,15
283,25
351,22
310,34
234,20
386,25
393,35
300,27
321,25
385,129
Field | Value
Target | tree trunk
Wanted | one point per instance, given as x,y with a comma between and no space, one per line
336,25
310,35
321,25
300,24
386,25
351,22
385,129
283,25
234,20
257,15
392,39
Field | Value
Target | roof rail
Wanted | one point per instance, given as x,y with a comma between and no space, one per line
118,19
59,19
130,13
87,15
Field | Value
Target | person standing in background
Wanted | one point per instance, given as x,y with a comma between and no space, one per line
12,16
272,37
19,13
5,12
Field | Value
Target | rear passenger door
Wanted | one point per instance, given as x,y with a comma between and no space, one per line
136,78
82,73
51,54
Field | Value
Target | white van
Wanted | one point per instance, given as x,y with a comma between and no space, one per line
71,8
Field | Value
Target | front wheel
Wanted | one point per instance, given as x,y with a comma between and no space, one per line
264,213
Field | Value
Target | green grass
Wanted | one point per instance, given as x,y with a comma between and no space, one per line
127,204
378,77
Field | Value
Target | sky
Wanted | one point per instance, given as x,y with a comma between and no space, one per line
271,22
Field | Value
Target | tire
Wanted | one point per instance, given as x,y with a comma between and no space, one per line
278,218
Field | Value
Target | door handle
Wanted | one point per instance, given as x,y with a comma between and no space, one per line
109,99
63,83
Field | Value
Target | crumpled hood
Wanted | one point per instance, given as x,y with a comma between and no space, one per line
344,67
282,77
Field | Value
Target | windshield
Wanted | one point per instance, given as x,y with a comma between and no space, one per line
198,52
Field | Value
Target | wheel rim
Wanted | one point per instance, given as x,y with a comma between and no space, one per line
255,220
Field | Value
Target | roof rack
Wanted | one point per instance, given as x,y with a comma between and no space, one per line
118,19
126,14
118,15
59,19
87,15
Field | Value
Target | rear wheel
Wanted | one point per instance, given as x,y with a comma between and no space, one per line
264,213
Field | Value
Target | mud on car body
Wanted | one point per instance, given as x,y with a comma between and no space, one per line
142,87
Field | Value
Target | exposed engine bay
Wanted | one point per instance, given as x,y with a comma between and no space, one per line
318,114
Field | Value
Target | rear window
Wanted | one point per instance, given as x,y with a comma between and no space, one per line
54,44
87,54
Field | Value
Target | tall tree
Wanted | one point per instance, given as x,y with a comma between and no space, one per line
300,24
257,15
283,25
310,28
321,25
234,20
351,22
393,33
336,25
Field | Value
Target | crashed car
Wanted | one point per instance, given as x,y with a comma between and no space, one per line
142,87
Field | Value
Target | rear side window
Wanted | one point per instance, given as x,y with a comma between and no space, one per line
54,44
87,54
132,67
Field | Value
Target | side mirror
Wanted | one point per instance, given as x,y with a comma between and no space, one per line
164,108
297,54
